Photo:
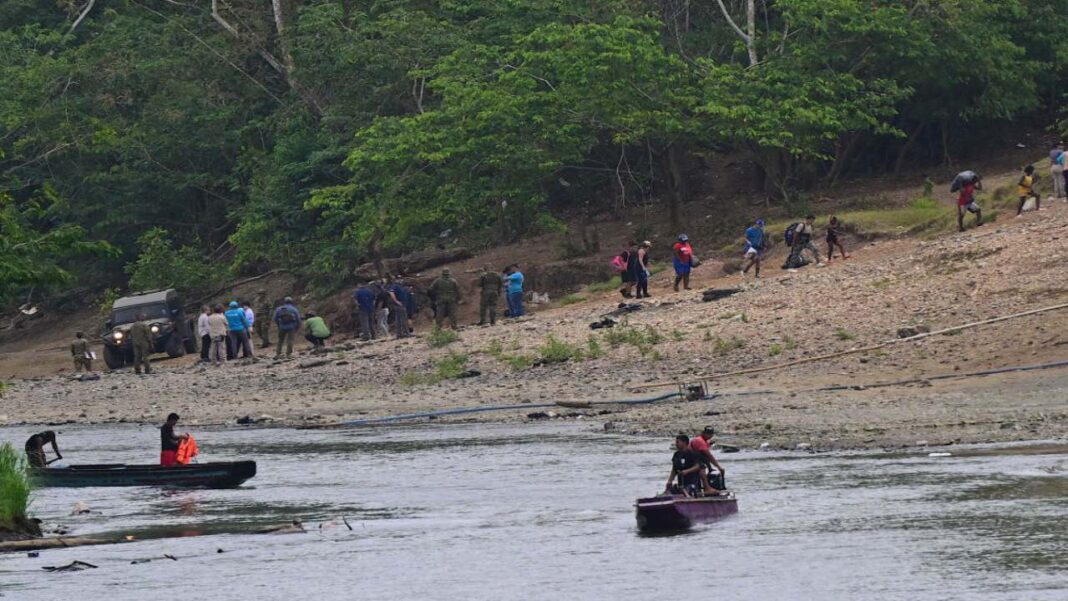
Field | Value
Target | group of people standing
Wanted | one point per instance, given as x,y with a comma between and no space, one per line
378,303
632,265
226,331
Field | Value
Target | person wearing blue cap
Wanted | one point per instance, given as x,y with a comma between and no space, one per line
237,323
756,242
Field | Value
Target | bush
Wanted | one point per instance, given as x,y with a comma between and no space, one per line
448,367
724,347
641,338
439,337
593,348
15,487
775,350
159,265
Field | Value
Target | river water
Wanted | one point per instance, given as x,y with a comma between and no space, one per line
494,512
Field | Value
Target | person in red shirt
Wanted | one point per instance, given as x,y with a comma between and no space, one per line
683,261
966,201
701,444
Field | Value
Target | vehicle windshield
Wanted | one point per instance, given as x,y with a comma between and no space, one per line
129,314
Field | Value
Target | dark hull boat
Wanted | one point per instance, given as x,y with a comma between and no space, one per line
673,513
195,475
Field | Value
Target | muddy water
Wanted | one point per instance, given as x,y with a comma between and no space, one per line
493,512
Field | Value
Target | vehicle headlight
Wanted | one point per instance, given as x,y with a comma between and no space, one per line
117,336
155,329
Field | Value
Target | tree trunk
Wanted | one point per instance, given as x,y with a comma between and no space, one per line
676,185
841,157
904,150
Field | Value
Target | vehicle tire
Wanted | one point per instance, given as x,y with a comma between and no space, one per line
191,346
174,346
113,357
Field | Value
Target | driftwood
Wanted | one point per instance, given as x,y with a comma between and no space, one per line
60,542
412,263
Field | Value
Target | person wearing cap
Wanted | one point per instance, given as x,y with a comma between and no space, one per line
683,261
701,444
237,322
79,351
643,269
446,293
756,242
262,326
287,318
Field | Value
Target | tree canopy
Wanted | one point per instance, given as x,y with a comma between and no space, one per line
317,134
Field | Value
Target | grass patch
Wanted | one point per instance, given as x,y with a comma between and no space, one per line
844,334
439,337
15,487
3,387
643,339
448,367
724,347
678,335
613,284
775,350
594,349
557,351
572,299
789,343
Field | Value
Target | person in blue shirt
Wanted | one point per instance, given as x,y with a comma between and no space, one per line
237,323
365,308
513,280
756,242
402,300
287,317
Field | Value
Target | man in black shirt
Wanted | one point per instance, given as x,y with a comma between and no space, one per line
685,465
169,441
35,451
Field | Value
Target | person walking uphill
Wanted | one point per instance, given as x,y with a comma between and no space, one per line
683,261
966,183
237,321
628,260
756,242
287,318
514,282
79,352
1025,189
491,284
262,325
141,339
803,239
446,293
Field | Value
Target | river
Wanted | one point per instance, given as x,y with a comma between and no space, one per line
545,511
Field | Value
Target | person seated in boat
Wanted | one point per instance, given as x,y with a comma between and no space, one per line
701,444
686,467
168,455
35,448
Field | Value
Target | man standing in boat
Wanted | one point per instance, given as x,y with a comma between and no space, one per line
686,466
701,444
35,448
169,441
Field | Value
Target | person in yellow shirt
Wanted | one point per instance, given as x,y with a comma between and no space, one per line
1026,189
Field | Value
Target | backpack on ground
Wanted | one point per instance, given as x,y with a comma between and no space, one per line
790,233
619,262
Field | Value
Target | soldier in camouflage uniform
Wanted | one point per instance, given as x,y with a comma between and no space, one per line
79,352
491,284
141,339
446,294
263,318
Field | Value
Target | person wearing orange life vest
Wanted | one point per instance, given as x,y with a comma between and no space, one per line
170,441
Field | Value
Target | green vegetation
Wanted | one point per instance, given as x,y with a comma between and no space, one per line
449,367
154,139
789,343
775,350
723,347
3,387
439,337
557,351
15,487
844,334
613,284
572,299
594,349
641,338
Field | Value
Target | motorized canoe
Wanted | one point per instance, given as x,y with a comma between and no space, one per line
195,475
672,513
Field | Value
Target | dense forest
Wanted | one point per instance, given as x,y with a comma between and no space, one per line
186,141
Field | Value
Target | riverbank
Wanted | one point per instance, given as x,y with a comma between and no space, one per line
888,288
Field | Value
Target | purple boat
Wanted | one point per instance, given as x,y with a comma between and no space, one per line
672,513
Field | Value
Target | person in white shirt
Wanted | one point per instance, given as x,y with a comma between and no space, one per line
204,333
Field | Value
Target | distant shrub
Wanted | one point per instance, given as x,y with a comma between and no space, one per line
439,337
15,487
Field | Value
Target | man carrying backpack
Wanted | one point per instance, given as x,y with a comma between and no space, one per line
287,318
802,240
628,260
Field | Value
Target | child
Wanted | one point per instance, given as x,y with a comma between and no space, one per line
832,240
1026,189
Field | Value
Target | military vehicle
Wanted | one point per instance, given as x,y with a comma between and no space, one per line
172,332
